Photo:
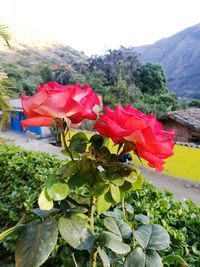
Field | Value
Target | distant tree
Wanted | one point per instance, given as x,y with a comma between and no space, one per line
46,74
63,74
78,78
115,63
158,105
96,80
151,79
195,103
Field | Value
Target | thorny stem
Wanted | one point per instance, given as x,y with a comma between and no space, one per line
65,144
75,263
93,258
123,209
93,254
91,212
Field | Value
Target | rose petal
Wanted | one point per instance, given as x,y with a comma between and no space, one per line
37,121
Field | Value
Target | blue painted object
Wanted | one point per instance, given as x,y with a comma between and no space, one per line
16,125
15,121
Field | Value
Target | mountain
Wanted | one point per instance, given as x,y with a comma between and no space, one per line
24,62
179,55
40,51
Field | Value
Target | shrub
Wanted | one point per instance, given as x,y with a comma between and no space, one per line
23,173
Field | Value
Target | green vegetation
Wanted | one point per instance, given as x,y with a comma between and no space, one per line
118,76
23,174
121,79
4,96
4,99
151,79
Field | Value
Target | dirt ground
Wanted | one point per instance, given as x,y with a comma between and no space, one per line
181,188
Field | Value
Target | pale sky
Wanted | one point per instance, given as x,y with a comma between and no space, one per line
93,26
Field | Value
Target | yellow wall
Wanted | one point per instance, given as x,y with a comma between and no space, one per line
185,163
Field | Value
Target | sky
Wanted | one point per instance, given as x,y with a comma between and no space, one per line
93,26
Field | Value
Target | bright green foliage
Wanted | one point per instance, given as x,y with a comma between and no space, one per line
158,104
46,74
56,189
126,229
99,170
21,174
181,222
152,79
44,201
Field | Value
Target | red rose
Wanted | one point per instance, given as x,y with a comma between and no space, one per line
55,101
143,133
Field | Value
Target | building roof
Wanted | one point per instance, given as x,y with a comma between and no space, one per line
16,104
189,117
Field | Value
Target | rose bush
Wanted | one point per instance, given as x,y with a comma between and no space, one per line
54,101
69,217
143,134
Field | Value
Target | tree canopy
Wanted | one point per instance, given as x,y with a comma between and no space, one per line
151,79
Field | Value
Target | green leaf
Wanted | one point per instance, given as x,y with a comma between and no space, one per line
104,202
152,236
126,186
116,213
137,258
78,142
97,141
195,248
69,169
9,231
100,188
116,179
56,189
44,202
113,242
142,218
70,153
43,214
77,179
132,178
138,183
118,227
175,259
104,257
129,208
83,173
115,193
80,136
76,232
36,243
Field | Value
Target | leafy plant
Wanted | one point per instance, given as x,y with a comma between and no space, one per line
63,213
142,207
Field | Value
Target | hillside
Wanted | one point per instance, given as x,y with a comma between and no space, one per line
23,62
38,52
179,55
